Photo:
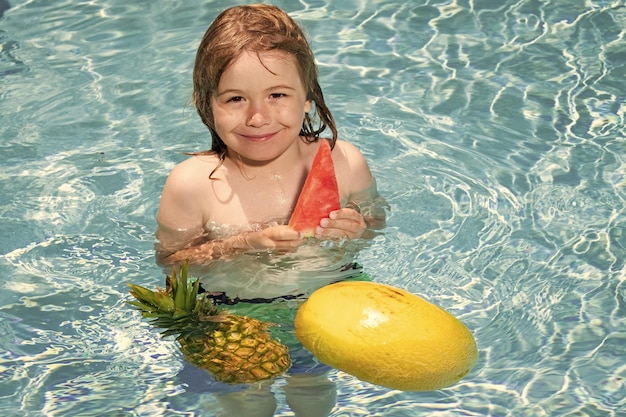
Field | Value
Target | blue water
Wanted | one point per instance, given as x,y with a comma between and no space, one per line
495,129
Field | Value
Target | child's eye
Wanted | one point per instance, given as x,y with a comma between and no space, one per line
277,95
235,99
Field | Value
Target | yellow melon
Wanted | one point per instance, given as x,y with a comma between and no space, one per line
386,336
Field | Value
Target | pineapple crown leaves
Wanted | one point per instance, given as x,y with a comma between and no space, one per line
175,307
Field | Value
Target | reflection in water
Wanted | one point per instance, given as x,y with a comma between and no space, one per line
4,6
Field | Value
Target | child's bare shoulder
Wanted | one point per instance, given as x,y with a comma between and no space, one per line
196,165
349,154
351,167
192,173
346,147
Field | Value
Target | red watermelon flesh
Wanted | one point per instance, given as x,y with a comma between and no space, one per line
320,194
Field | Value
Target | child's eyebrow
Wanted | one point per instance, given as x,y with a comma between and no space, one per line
280,86
228,91
237,91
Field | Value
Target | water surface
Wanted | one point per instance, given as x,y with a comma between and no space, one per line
495,130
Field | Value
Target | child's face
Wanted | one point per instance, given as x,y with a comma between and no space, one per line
259,105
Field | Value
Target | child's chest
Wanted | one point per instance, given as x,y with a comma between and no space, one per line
253,200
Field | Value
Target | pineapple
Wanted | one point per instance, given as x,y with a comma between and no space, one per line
234,349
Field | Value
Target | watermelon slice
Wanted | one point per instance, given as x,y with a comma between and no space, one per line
320,194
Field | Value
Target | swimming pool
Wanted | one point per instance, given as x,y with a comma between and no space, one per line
495,130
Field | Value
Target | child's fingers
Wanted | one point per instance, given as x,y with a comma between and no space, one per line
346,212
340,228
280,237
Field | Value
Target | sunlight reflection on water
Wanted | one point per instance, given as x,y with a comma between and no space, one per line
496,133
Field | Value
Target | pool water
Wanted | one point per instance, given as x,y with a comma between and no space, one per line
496,132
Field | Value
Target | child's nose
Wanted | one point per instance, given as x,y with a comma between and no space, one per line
258,115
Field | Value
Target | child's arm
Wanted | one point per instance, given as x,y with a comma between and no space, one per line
200,251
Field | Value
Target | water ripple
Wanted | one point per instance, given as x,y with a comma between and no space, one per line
496,131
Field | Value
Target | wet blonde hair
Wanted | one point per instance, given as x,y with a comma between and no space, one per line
255,28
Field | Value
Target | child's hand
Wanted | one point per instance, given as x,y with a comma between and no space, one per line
277,237
341,224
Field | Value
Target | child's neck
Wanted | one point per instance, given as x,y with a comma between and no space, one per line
281,167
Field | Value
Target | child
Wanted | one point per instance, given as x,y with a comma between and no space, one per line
226,210
256,88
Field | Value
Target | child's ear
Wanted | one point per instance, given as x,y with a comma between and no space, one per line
307,106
